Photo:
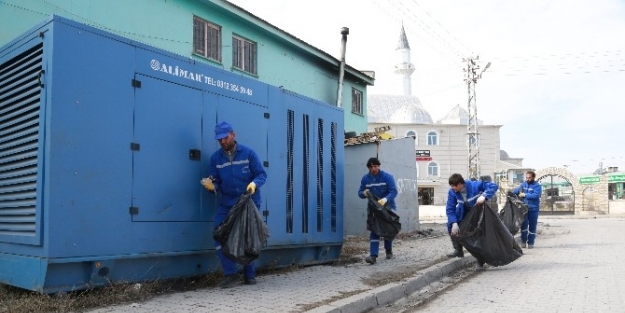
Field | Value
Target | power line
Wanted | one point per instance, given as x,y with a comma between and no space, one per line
394,17
421,25
439,24
605,53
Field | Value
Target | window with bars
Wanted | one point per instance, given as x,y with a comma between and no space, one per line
244,55
206,39
357,102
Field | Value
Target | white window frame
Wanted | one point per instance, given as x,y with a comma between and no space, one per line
434,164
244,55
206,39
435,136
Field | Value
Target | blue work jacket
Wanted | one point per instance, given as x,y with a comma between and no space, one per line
532,192
455,208
381,186
232,177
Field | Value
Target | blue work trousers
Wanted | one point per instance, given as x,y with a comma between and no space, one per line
528,230
374,244
229,266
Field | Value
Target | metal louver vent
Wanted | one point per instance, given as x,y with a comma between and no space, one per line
290,131
320,175
305,171
333,176
19,131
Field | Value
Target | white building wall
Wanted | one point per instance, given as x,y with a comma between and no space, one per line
451,153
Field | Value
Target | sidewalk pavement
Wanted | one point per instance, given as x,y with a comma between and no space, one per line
354,287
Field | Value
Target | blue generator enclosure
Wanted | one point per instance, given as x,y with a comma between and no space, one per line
104,140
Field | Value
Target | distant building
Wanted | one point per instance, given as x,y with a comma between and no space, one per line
441,146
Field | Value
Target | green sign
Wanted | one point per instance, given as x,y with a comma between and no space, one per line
616,178
589,180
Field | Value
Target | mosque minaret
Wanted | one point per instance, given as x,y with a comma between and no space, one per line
405,68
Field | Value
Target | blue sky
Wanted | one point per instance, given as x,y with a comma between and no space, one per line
557,76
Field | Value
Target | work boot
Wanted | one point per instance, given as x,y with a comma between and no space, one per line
249,281
389,254
530,246
479,267
229,281
524,245
458,251
456,254
371,259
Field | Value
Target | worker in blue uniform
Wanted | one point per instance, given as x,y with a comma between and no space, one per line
462,196
233,170
530,191
382,185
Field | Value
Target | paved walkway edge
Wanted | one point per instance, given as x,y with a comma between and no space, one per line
392,292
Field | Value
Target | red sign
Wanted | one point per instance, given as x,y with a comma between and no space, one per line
424,158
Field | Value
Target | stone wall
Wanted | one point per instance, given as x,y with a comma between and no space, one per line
601,189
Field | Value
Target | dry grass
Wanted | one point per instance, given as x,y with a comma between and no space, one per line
16,300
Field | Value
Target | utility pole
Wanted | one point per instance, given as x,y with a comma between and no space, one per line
473,140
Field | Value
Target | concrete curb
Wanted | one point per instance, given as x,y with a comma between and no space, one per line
392,292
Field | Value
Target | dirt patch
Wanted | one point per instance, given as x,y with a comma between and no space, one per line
354,247
547,230
343,295
400,273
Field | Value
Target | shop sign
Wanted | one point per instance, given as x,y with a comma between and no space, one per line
616,178
422,153
587,180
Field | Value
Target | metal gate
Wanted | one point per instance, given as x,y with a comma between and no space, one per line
558,196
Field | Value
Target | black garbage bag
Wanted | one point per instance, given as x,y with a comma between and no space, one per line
243,232
513,214
382,220
485,236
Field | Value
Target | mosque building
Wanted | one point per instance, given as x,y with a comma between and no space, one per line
441,146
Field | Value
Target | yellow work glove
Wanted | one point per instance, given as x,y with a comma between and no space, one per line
481,199
208,184
382,201
251,188
521,194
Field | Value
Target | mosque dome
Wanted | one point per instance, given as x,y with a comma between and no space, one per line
457,116
503,155
389,109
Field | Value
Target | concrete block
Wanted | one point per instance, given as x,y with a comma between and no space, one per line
389,293
414,284
357,303
432,273
325,309
451,266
